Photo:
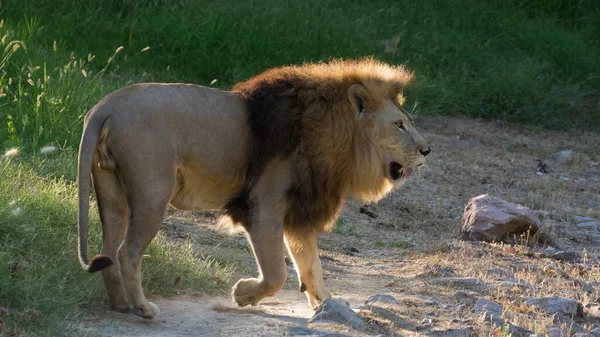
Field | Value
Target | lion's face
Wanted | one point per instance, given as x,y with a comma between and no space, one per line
389,145
401,146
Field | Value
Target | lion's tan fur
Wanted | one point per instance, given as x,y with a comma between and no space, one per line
279,153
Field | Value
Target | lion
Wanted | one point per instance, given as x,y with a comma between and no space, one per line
278,154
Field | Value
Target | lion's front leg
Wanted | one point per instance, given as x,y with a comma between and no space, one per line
266,239
304,252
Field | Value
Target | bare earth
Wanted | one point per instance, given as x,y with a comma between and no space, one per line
407,245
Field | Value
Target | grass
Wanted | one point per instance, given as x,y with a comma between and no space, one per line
530,63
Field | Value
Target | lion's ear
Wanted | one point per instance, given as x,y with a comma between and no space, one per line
357,95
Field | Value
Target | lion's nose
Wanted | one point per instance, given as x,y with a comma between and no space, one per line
426,152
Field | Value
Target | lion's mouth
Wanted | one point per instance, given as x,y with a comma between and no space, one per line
397,171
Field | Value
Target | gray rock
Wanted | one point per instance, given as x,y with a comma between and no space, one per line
382,299
500,273
462,332
562,255
304,331
566,323
589,225
563,157
489,218
554,305
514,282
334,312
582,334
595,332
579,219
419,300
554,331
457,280
488,308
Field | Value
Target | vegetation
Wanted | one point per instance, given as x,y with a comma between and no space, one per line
534,63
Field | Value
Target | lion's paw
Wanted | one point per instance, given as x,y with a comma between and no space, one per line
151,311
245,292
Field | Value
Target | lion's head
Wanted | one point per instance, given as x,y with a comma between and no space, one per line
389,145
343,124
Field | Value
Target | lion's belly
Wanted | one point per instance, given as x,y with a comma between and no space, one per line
199,190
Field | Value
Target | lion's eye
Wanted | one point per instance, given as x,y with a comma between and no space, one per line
400,126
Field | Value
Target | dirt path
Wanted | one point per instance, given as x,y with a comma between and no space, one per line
406,245
198,317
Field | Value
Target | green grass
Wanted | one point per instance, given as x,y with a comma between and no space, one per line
42,286
534,63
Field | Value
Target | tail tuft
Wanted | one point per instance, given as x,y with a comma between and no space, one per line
99,262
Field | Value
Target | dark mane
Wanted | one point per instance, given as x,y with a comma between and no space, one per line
304,112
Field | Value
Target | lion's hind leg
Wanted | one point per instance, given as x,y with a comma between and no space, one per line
148,195
112,205
303,249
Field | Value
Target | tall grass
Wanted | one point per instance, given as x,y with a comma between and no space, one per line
527,62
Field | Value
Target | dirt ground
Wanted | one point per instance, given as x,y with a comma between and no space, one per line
408,244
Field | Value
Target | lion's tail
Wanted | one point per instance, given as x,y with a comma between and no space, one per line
89,141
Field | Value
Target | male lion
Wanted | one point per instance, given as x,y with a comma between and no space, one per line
279,154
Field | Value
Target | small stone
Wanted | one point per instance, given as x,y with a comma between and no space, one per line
426,321
567,256
457,280
488,307
590,224
368,264
582,334
563,157
595,332
382,299
384,268
539,173
580,219
489,218
304,331
390,284
461,332
554,305
500,273
419,300
554,331
334,312
566,323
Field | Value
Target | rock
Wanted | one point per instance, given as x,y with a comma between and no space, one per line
583,285
595,332
487,307
554,305
582,334
462,332
563,157
589,225
334,312
554,331
489,218
500,273
457,280
304,331
419,300
511,282
580,219
382,299
566,323
562,255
